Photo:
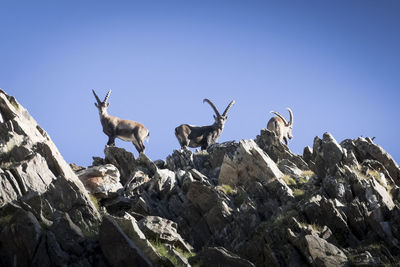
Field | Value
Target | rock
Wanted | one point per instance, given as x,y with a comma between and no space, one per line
322,211
164,230
288,167
76,168
138,179
180,160
318,251
249,164
365,149
118,248
219,256
31,165
101,181
19,240
68,235
122,159
327,154
218,151
269,142
130,227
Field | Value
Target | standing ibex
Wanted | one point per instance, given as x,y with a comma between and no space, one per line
114,127
281,127
203,136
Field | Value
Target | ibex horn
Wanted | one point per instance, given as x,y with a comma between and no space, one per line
97,98
228,107
280,116
291,116
212,105
106,98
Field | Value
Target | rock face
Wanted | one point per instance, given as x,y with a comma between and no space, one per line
102,181
245,203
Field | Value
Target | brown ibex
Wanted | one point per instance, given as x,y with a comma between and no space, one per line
115,127
202,136
281,127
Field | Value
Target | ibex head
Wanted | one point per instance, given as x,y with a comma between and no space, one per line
219,119
102,106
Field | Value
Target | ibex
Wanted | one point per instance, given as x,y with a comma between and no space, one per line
202,136
281,127
115,127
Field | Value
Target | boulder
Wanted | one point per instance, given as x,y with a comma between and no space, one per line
318,251
364,148
327,154
19,239
269,142
249,164
122,159
118,248
164,230
101,181
219,256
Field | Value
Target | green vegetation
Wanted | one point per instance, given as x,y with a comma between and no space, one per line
228,189
94,200
288,180
298,193
307,173
163,251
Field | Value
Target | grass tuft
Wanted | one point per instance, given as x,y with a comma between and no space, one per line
288,180
228,189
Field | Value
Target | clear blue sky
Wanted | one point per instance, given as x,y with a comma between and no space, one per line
335,63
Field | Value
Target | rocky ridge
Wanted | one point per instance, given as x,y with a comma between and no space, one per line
246,203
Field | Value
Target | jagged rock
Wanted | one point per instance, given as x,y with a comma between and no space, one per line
68,235
218,151
145,164
130,227
19,240
164,230
318,251
269,142
327,154
324,211
118,248
31,165
364,259
249,164
365,149
180,160
288,167
164,181
219,256
102,181
122,159
139,178
76,168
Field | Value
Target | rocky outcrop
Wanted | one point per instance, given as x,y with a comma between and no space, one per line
102,181
245,203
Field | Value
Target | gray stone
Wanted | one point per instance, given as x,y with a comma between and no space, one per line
122,159
19,239
249,164
327,154
118,248
269,142
164,230
32,165
318,251
101,181
219,256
